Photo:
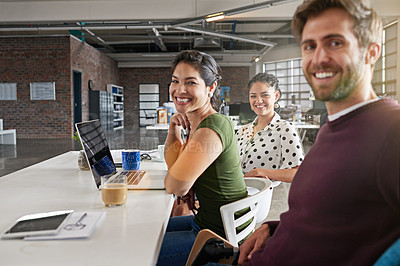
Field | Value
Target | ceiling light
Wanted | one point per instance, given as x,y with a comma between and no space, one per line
256,59
214,17
390,24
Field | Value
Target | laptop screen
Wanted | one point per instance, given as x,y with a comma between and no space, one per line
96,148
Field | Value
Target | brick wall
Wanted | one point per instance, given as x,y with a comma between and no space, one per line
95,66
49,59
53,59
38,59
130,78
236,78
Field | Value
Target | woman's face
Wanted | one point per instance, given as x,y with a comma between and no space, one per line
188,90
262,98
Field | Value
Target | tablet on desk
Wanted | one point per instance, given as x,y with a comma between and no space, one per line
45,223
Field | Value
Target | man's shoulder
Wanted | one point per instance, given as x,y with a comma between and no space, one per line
389,109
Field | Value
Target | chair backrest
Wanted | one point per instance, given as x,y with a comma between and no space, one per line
252,188
391,257
253,202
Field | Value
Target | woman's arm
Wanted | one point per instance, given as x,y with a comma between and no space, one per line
201,151
291,144
173,143
285,175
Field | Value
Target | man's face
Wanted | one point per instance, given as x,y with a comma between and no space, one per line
333,63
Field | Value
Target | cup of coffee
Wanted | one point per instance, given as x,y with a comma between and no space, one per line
131,159
114,190
161,151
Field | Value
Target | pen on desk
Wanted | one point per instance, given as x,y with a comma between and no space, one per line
80,220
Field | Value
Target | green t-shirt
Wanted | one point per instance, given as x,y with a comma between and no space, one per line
222,182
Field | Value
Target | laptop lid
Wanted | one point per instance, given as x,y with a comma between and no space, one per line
101,160
96,148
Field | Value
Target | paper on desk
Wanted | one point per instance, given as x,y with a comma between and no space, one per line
92,220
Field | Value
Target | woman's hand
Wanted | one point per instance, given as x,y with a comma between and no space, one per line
284,175
173,144
179,119
256,172
188,199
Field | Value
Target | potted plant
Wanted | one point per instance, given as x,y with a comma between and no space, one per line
82,160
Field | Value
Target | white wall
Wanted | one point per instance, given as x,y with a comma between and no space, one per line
86,10
80,10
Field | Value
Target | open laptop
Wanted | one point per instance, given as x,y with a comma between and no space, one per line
101,161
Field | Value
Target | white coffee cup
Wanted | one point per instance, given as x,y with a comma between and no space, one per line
161,151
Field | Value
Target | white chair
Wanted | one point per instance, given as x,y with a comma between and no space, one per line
265,205
254,202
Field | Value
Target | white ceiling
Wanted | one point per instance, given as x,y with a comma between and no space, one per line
154,35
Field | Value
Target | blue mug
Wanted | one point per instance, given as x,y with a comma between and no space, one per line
131,159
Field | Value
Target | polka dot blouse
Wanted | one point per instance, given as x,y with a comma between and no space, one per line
277,146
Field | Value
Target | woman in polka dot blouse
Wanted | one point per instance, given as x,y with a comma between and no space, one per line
269,146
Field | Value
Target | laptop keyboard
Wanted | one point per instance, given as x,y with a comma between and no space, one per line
133,177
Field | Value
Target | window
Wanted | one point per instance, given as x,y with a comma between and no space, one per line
148,103
294,87
384,80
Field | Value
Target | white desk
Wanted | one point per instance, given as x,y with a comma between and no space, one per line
129,235
303,127
158,127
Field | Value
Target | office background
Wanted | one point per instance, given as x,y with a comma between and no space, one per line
83,45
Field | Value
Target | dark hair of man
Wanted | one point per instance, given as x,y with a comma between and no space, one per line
207,68
367,24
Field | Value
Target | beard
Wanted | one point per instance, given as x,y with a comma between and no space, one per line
345,86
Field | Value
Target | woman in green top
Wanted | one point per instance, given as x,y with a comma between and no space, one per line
207,163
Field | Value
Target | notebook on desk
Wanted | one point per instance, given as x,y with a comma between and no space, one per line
101,161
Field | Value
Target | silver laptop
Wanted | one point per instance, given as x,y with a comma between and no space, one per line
102,162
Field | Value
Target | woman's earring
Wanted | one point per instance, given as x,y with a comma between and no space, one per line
276,105
210,94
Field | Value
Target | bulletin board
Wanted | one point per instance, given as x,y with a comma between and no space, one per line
43,91
8,91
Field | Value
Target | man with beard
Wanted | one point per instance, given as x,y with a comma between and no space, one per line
344,203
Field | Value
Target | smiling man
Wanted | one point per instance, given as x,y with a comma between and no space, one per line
344,203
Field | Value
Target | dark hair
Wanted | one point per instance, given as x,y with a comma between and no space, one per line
207,68
367,24
269,79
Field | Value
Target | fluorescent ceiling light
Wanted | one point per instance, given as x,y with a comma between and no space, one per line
390,24
214,17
